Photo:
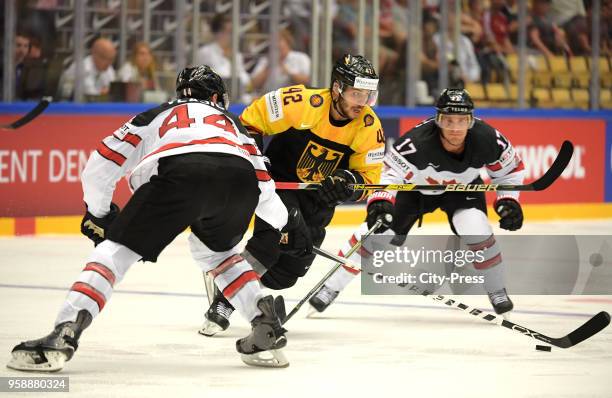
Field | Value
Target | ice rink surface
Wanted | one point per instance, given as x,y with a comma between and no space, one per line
145,344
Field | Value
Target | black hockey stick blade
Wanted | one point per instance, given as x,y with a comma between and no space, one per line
590,328
556,169
31,115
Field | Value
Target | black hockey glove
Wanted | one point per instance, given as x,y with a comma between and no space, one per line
296,239
380,207
95,227
510,213
334,188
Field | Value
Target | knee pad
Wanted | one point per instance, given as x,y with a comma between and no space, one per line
471,222
205,257
114,256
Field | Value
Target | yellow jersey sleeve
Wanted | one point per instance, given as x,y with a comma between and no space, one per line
369,150
276,111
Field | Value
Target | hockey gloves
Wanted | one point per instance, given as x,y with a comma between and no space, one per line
334,188
95,227
296,239
380,207
510,213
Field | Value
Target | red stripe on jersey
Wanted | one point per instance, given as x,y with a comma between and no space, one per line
103,271
90,292
239,282
409,175
340,253
519,167
263,175
213,140
132,139
353,241
225,265
111,155
252,149
494,166
488,263
485,244
353,271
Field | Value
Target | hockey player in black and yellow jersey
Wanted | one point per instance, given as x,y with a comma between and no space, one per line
330,136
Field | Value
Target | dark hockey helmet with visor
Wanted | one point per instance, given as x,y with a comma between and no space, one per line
201,82
357,72
454,101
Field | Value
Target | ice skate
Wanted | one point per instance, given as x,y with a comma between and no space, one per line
323,298
263,346
216,319
48,354
501,303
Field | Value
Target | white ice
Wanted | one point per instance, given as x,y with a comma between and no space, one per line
145,344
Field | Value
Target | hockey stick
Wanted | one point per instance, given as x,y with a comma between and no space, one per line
556,169
339,264
31,115
588,329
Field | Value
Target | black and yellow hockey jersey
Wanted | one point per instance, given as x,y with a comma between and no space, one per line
307,145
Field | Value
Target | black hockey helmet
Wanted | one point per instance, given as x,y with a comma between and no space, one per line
358,72
455,101
201,82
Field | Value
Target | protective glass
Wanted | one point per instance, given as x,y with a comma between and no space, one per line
454,122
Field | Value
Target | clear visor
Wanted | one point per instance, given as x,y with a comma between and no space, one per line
454,122
357,96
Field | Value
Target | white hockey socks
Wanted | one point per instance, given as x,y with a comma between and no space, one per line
105,268
474,228
232,274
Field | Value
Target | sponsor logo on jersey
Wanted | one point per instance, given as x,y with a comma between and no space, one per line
368,120
375,155
316,100
317,162
273,105
121,132
380,136
396,161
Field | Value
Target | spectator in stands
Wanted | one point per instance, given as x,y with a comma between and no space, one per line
218,56
429,55
293,68
497,27
35,73
22,48
571,16
469,69
544,35
489,52
140,68
98,71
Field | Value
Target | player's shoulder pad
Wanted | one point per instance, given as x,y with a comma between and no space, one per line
234,118
484,134
420,134
146,117
284,102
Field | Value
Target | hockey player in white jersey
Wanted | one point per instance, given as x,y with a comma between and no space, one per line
190,164
451,148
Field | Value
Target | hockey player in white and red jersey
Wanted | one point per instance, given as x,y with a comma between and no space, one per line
450,148
190,164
